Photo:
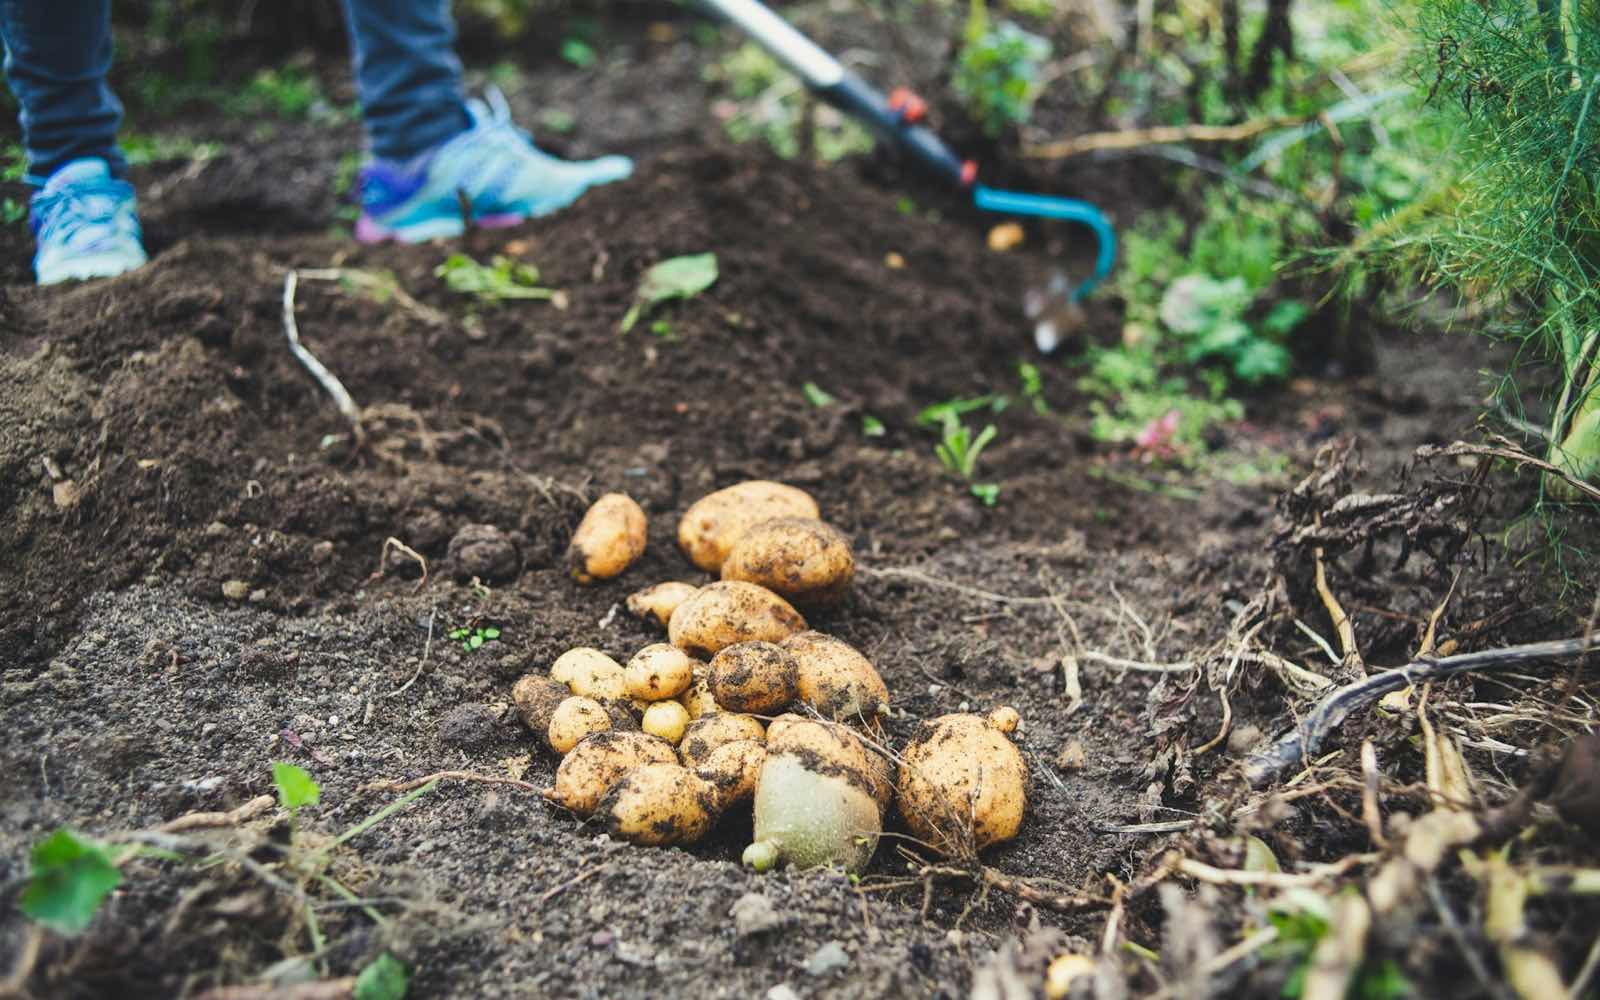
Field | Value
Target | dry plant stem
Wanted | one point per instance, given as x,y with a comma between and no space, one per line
356,276
1164,135
322,989
422,664
415,783
1371,815
394,543
1202,872
1306,739
1532,973
210,820
1510,454
1351,655
1338,956
1180,667
15,982
328,380
1458,934
917,576
1223,959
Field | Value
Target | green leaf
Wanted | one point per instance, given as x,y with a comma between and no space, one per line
871,426
675,278
475,640
384,979
295,787
936,414
1197,303
491,633
70,877
816,395
579,53
503,278
1258,857
1260,360
1283,317
988,493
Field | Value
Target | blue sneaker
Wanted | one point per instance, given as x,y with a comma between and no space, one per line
492,170
86,224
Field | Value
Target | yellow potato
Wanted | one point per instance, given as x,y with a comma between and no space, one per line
598,762
963,785
734,768
758,677
658,672
536,697
657,804
814,802
836,680
712,525
590,673
660,601
666,719
608,540
697,698
573,719
708,732
1005,719
731,611
800,559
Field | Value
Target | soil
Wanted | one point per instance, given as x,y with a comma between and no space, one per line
216,591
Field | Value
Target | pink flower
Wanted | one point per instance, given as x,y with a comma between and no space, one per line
1157,435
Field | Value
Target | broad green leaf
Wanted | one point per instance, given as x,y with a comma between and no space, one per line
384,979
816,395
936,414
871,426
1258,857
295,787
1260,360
503,278
70,877
491,633
675,278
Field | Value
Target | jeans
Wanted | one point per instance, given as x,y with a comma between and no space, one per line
58,52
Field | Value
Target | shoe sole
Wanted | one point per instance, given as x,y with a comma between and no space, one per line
87,267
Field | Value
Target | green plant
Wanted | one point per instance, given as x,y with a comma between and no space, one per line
1301,923
290,92
766,103
1033,386
473,637
816,395
1208,317
502,278
69,876
871,426
675,278
997,71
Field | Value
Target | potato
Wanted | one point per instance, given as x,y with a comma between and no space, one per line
712,525
708,732
666,719
536,697
734,768
814,803
1005,719
801,559
657,804
757,677
658,672
590,673
660,601
609,538
731,611
963,785
573,719
880,772
599,761
836,680
698,698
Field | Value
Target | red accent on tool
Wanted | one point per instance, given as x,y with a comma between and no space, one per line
969,173
909,106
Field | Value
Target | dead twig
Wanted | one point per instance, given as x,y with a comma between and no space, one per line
415,783
427,648
210,820
322,989
1160,135
383,560
1510,453
328,380
1179,667
1202,872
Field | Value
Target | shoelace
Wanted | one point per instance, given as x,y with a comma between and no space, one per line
90,203
492,113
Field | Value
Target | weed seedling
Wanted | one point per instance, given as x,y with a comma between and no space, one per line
958,449
502,278
817,396
473,637
1033,386
871,426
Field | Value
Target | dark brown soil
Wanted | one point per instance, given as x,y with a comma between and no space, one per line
217,596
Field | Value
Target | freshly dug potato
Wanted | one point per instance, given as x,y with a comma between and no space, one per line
880,771
1005,719
536,697
658,672
708,732
814,803
697,698
758,677
657,804
660,601
801,559
573,719
590,673
730,611
608,540
963,785
734,768
836,680
599,761
712,525
666,719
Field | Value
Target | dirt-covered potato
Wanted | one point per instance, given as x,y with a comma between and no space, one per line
573,719
599,761
836,680
658,804
801,559
731,611
814,802
608,540
666,719
536,697
697,698
657,603
708,732
758,677
1005,719
590,673
734,768
963,785
712,525
658,672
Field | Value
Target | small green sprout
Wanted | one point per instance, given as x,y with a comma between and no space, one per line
871,426
817,396
674,278
1033,386
295,787
958,449
472,638
384,979
987,493
69,878
502,278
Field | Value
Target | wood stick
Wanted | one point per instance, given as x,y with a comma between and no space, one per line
1160,135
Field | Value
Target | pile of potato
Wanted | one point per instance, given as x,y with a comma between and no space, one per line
745,705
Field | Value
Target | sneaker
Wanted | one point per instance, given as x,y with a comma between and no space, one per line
491,171
86,224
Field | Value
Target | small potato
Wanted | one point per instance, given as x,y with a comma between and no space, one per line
660,601
698,698
658,804
800,559
573,719
598,762
836,680
608,540
963,785
1005,719
658,672
666,719
814,802
536,697
730,611
590,673
708,732
758,677
712,525
734,768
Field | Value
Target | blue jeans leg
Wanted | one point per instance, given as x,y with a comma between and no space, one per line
407,74
57,55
